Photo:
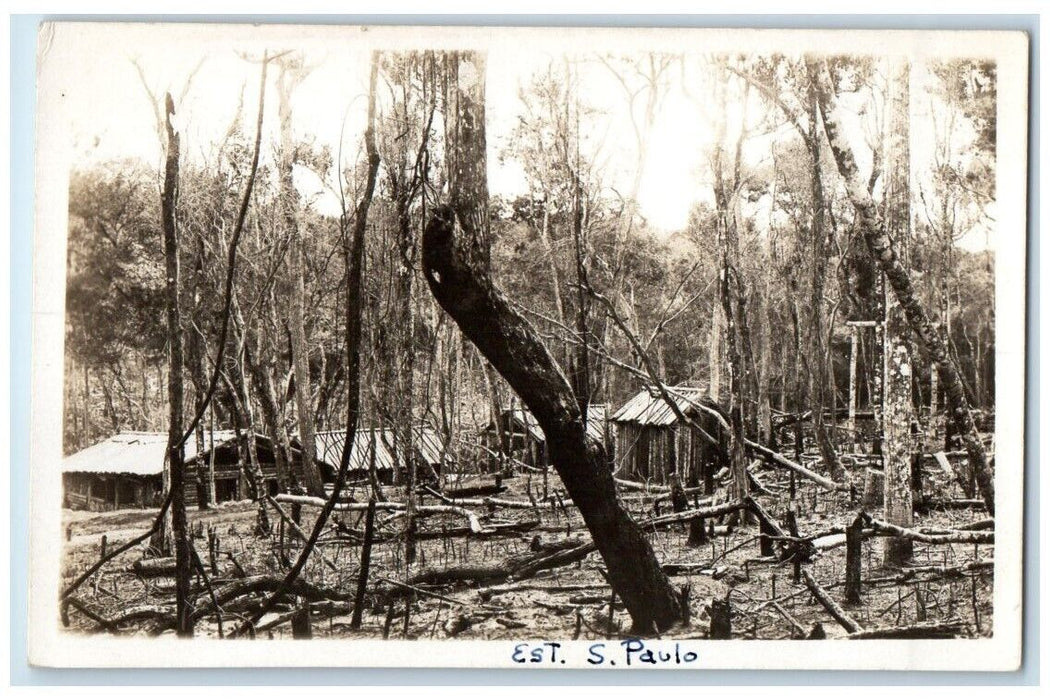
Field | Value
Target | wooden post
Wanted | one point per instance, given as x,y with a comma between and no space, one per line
366,557
697,533
851,424
854,540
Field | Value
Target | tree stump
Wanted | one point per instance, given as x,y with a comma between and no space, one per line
721,613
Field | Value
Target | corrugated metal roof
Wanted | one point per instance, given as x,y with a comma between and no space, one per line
429,443
329,447
597,415
648,407
140,453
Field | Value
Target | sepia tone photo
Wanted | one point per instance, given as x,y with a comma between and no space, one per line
545,348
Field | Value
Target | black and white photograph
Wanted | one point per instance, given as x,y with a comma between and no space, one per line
528,347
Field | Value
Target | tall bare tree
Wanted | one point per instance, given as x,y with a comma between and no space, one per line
291,74
176,441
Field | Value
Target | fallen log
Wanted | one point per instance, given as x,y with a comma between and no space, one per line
797,630
782,461
485,594
985,524
551,561
223,597
686,568
926,506
134,613
642,486
939,630
833,608
489,502
687,515
355,537
149,568
478,489
957,536
517,566
472,518
928,574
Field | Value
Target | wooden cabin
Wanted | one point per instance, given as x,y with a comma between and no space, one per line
525,440
380,449
652,444
127,470
123,471
224,461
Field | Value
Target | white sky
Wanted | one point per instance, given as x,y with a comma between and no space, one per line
109,115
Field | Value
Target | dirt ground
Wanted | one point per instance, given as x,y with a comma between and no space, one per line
562,603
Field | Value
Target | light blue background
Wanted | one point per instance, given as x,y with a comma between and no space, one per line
23,51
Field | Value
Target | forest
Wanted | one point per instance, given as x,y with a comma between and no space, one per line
397,398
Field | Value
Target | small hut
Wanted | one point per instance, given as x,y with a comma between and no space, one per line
123,471
127,470
519,430
652,443
380,449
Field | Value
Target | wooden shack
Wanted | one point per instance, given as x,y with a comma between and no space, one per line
123,471
525,442
381,449
127,470
224,463
652,444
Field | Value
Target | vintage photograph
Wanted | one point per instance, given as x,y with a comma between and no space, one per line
582,348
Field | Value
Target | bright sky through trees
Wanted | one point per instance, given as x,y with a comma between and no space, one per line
112,118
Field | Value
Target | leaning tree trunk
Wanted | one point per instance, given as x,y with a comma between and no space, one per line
176,452
930,336
457,267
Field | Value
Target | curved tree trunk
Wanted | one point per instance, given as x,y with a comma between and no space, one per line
456,265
